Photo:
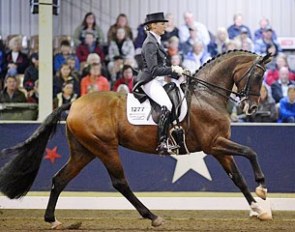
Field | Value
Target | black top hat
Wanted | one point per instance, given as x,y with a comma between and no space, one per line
155,18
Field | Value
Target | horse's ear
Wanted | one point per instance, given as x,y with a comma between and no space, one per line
267,58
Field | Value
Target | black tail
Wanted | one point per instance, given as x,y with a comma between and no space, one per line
18,175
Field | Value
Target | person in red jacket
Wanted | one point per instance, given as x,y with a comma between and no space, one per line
94,81
126,79
89,46
272,75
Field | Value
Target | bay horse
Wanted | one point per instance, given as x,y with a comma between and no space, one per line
97,125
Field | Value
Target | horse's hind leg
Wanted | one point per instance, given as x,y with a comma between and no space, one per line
234,174
115,169
79,158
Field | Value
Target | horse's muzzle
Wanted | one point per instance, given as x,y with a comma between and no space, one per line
248,109
252,110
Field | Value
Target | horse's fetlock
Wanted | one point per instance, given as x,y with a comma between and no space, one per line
260,180
49,218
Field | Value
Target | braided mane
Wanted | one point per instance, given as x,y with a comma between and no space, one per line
215,58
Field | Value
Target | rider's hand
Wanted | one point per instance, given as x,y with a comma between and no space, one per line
177,69
187,72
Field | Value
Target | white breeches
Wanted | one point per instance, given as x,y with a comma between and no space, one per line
156,92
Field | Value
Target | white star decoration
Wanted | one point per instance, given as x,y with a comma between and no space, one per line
194,161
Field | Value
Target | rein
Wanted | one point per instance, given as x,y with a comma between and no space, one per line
244,93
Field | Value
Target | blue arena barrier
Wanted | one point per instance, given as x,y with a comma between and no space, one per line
146,172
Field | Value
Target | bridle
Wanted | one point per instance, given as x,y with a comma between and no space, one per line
246,91
243,94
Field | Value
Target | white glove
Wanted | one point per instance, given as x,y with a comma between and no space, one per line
177,69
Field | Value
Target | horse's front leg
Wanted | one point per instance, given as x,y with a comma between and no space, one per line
233,172
225,146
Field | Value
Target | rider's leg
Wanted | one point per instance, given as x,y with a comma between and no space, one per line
156,92
163,127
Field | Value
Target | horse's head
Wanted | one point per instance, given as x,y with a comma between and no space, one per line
248,81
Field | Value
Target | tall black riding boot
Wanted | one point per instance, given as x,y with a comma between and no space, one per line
163,126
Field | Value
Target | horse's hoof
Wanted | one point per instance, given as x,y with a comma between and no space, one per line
253,214
261,192
261,213
56,225
157,222
265,216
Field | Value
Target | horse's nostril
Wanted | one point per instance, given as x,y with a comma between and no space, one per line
252,109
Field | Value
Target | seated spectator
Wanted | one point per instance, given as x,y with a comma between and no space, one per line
263,23
94,81
93,58
170,31
67,95
126,79
75,73
279,88
33,95
2,63
63,76
172,48
218,46
194,59
131,61
272,75
11,93
287,106
266,111
231,45
61,57
88,25
89,45
176,60
187,46
123,89
235,29
243,41
267,44
31,73
121,22
138,41
190,22
115,68
16,61
121,46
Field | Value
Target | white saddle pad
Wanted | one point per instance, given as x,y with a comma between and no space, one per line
140,113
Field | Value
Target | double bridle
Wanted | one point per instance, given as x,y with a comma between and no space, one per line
243,94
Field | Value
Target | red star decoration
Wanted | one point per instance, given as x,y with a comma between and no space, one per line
51,154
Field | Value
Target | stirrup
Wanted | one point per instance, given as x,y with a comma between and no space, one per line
164,148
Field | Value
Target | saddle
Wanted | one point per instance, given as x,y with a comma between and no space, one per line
176,137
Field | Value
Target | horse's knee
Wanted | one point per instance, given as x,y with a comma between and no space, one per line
250,153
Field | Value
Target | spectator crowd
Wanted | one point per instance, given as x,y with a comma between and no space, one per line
89,61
